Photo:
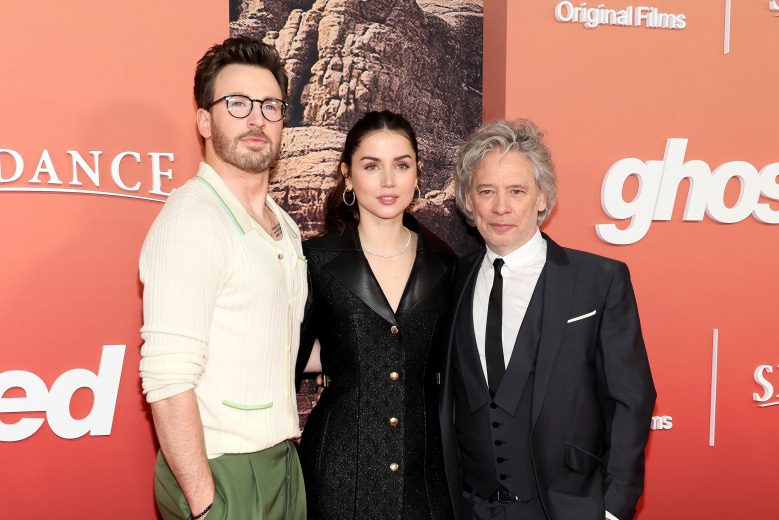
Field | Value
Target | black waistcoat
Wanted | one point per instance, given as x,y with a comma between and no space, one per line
494,433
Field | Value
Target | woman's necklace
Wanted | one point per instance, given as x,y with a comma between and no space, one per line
394,253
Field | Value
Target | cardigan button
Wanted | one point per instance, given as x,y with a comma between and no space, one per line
394,467
394,376
393,421
281,256
394,330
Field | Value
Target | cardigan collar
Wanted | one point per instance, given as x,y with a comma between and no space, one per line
233,207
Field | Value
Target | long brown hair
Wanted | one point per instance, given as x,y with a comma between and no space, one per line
337,214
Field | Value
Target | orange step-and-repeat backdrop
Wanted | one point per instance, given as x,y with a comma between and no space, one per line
661,117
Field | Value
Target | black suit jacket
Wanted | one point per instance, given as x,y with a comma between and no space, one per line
593,393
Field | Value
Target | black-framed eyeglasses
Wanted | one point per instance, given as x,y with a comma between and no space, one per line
241,106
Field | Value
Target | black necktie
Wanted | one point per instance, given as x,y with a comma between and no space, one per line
493,344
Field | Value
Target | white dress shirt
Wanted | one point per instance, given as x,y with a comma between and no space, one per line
520,274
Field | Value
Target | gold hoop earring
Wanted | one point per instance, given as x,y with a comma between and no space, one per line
418,191
354,197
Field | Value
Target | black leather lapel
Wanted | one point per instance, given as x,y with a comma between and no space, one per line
352,269
523,357
425,275
467,351
558,292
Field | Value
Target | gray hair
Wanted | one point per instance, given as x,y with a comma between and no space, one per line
521,136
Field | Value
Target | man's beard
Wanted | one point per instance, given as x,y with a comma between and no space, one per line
254,161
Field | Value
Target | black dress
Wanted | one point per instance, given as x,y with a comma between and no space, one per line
371,448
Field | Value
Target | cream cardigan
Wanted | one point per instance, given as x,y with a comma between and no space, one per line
222,306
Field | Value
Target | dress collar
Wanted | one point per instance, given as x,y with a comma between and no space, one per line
349,240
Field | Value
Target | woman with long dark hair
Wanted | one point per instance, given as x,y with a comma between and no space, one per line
379,288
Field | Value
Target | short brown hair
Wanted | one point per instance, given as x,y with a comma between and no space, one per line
241,50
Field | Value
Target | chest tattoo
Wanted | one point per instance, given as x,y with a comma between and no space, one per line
276,231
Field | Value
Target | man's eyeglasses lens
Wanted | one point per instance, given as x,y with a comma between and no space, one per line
241,106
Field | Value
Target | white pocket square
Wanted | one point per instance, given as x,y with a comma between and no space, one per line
577,318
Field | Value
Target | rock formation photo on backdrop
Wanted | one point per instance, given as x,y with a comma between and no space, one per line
420,58
344,58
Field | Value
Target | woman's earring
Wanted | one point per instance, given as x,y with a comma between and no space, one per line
354,197
418,191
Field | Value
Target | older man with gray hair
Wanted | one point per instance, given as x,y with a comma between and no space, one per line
547,392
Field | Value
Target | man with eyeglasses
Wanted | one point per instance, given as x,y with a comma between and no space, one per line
224,289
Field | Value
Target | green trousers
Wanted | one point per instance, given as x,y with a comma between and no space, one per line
265,485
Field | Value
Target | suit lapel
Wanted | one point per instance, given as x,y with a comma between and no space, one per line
466,268
467,352
523,357
465,273
558,292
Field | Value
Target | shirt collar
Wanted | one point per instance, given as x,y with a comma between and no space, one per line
522,255
230,203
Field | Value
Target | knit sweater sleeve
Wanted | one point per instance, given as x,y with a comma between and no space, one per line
181,265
